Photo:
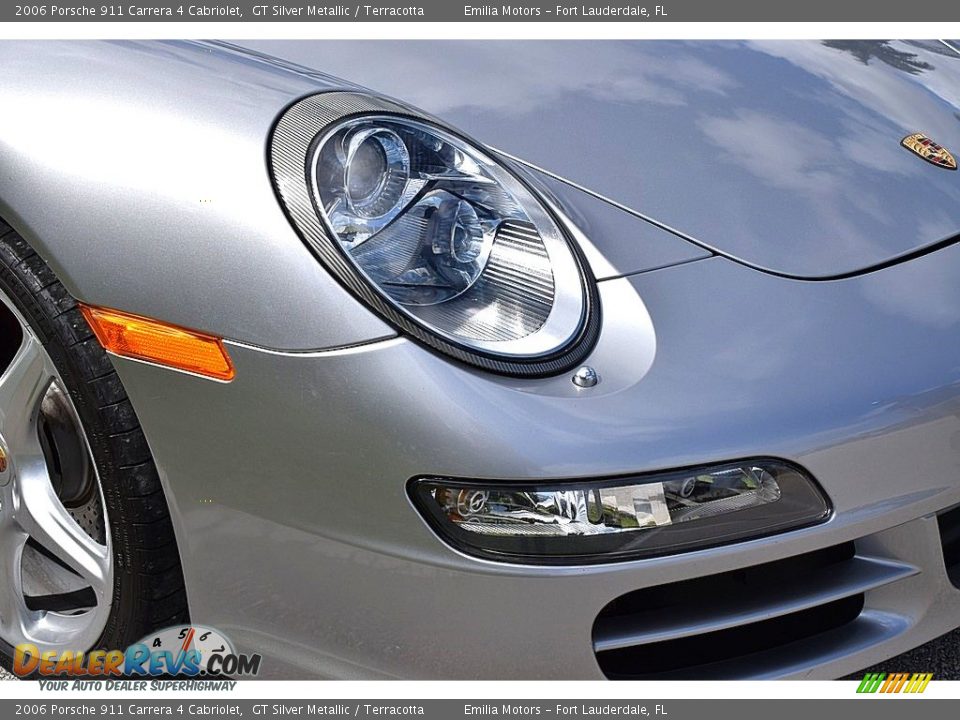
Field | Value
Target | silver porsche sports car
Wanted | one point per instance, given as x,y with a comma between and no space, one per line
482,360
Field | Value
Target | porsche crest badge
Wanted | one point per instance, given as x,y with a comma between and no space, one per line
920,144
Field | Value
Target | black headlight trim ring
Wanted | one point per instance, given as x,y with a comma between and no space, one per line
290,149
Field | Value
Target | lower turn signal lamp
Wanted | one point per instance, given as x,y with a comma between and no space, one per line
606,520
140,338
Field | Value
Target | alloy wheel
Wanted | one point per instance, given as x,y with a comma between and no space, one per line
56,560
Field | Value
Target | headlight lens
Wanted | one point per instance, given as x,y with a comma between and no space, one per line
375,168
451,238
439,237
606,520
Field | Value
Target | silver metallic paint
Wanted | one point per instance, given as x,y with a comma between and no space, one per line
138,170
151,160
310,551
784,154
883,443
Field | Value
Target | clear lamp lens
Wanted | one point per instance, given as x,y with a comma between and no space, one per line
448,236
376,169
648,516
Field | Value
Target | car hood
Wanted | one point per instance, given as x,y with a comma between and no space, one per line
785,155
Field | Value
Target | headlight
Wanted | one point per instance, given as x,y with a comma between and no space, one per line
434,234
602,521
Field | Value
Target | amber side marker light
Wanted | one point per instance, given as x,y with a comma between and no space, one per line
133,336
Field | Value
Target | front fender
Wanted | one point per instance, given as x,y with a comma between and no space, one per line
138,172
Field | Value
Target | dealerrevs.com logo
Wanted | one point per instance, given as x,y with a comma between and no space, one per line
181,651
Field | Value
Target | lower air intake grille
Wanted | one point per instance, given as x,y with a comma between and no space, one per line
709,627
950,538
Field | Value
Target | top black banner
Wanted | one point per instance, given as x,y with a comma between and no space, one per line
459,11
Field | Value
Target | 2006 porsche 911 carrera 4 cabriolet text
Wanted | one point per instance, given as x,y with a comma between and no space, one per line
480,360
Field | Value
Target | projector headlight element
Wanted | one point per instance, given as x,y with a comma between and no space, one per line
599,521
376,169
435,234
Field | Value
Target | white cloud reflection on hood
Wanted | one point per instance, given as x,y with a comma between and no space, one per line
490,70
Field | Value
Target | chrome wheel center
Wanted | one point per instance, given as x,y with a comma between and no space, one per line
56,562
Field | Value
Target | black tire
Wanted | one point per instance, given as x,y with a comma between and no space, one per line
148,587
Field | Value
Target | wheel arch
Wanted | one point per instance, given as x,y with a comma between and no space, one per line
10,230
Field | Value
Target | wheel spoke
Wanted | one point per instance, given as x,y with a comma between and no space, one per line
56,581
41,515
22,386
14,616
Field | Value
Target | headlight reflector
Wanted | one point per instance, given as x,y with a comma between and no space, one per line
448,235
435,234
607,520
376,168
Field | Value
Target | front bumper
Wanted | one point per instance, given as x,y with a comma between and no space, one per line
299,542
